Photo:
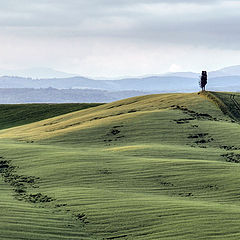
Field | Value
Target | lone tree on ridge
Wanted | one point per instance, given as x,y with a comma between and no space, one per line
203,80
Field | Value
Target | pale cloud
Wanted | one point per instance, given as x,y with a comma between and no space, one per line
106,37
175,68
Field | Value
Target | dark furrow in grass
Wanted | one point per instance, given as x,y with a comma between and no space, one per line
232,97
21,184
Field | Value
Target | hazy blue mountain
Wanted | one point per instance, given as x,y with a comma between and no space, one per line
148,84
52,95
224,82
81,89
17,82
43,72
183,74
139,84
228,71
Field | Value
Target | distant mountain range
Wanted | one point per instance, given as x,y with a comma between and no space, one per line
228,71
52,95
15,89
41,72
159,83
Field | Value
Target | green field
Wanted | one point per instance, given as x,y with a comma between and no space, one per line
153,167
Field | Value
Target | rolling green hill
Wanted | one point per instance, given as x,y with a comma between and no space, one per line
12,115
229,101
153,167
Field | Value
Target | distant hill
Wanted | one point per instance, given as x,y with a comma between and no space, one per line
227,83
223,72
172,82
138,84
52,95
46,72
228,71
82,89
79,89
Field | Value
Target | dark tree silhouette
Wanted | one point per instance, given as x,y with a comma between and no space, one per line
203,81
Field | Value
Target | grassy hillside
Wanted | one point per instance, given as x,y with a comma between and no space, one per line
12,115
152,167
229,101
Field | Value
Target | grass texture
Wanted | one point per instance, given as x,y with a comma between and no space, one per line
152,167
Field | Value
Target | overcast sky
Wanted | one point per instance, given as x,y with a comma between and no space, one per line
115,38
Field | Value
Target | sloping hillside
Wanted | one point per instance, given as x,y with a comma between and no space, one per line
12,115
153,167
230,102
129,109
